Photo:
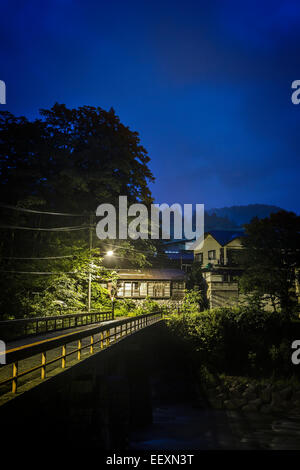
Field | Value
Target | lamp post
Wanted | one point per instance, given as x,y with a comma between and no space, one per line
109,253
112,297
90,274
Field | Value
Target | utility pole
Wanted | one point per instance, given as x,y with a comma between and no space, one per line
90,273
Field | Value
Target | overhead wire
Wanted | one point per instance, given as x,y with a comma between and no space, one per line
66,229
33,211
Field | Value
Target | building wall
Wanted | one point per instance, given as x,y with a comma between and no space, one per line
209,244
154,289
222,293
219,292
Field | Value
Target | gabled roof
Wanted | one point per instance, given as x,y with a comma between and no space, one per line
225,236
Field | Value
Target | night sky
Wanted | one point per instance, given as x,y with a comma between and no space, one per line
207,84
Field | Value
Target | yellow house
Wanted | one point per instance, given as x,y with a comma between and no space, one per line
219,248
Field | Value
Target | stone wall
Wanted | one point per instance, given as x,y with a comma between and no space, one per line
245,394
219,292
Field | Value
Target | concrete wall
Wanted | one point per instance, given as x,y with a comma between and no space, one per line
209,244
220,293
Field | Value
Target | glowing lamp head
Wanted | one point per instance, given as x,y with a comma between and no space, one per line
110,253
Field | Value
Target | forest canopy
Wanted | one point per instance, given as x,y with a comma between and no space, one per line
54,172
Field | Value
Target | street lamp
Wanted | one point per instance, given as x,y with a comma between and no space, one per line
113,290
109,253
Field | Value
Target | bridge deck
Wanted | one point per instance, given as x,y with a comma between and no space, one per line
30,360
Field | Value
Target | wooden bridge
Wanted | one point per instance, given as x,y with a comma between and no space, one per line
49,348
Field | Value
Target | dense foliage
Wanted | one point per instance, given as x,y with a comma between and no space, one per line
271,257
68,161
72,159
236,340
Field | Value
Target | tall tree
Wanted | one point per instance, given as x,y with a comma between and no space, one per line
272,258
72,159
69,161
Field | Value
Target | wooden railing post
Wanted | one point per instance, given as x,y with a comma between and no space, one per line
43,369
79,350
63,359
15,377
92,345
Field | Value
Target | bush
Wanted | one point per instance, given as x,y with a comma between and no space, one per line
234,340
147,306
123,307
193,301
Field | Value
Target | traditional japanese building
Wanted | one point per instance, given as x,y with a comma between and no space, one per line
162,285
218,254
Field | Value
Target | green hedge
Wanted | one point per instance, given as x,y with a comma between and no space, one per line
237,339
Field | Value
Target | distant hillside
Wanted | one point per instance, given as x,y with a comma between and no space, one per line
239,215
230,218
215,222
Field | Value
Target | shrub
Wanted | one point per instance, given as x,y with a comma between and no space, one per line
235,339
123,307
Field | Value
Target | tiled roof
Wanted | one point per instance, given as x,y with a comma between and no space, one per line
225,236
158,274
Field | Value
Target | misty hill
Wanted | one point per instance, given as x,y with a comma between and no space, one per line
229,218
216,222
239,215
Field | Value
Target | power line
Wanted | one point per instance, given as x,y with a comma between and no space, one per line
41,272
35,258
61,229
22,209
54,229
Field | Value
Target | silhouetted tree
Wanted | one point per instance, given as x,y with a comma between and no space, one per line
71,159
271,258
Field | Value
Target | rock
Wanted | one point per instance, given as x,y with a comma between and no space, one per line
296,395
252,388
229,405
276,399
249,395
266,409
296,404
266,395
216,403
234,404
256,402
249,407
286,393
240,402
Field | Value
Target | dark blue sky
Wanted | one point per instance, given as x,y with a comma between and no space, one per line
207,84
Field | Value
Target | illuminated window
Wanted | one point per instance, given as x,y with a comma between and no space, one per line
135,289
143,289
127,289
212,254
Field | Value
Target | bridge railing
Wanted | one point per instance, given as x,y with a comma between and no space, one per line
14,329
43,354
